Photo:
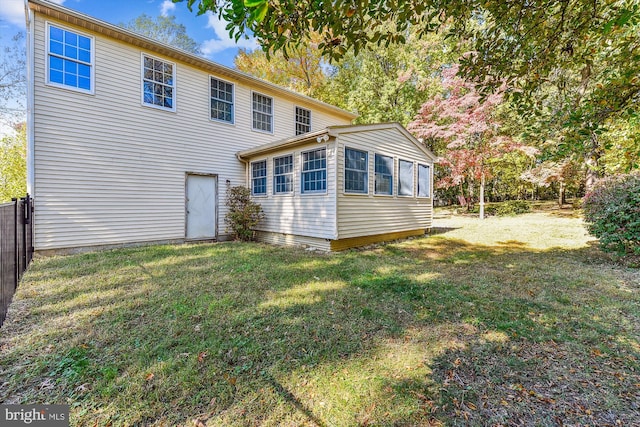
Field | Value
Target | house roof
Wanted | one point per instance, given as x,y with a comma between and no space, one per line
330,132
95,25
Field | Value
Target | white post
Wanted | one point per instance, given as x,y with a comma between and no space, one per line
482,196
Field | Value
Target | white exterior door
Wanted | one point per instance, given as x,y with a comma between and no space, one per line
201,207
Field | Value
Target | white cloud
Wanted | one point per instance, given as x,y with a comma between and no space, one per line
222,40
166,7
12,11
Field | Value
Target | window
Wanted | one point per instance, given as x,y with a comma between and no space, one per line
283,174
424,176
355,171
384,175
70,60
303,121
314,171
405,180
221,100
262,113
158,83
259,178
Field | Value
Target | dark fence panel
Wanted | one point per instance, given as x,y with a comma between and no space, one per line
16,247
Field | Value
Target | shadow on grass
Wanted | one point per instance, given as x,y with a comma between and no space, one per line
410,333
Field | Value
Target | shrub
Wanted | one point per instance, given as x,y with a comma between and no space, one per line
512,207
612,213
243,213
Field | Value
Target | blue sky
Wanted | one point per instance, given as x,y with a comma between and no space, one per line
207,30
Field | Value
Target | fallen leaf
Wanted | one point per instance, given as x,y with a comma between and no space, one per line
471,406
201,356
149,377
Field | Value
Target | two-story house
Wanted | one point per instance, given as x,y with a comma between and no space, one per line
132,141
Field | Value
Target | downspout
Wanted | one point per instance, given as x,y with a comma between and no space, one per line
30,100
336,186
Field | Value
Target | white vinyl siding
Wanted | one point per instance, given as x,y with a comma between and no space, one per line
383,214
158,83
222,107
69,59
405,178
304,214
424,179
262,108
110,171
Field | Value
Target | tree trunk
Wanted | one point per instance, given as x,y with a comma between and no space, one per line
482,196
562,199
592,160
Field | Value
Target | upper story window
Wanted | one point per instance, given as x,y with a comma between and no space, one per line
424,175
283,174
405,179
69,59
303,120
259,178
158,83
384,175
262,113
221,100
355,171
314,171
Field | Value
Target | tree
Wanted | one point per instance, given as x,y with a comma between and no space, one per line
524,40
13,80
564,173
389,83
301,71
164,29
13,164
471,129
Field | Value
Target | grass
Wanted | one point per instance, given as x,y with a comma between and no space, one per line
510,321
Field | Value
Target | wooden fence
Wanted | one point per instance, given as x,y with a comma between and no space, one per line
16,247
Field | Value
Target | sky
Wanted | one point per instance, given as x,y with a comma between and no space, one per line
207,30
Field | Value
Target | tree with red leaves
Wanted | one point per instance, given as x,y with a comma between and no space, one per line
470,127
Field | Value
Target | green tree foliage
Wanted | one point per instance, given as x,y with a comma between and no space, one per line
13,81
526,40
389,83
13,164
383,84
612,211
300,71
164,29
243,213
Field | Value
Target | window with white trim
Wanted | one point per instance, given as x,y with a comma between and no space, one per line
283,174
262,113
259,178
69,59
303,120
384,174
314,171
424,178
355,171
158,83
405,178
221,100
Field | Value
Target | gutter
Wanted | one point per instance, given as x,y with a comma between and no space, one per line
30,24
322,135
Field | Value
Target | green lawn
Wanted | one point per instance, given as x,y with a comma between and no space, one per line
510,321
